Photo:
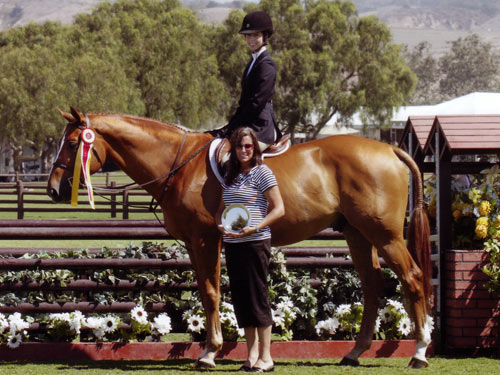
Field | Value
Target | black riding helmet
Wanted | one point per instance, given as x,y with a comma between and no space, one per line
257,21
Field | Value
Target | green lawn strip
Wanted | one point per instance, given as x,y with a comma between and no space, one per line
378,366
89,244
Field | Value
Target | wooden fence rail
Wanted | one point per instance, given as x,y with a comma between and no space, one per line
99,229
22,196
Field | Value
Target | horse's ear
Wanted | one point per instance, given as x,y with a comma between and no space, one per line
67,116
79,117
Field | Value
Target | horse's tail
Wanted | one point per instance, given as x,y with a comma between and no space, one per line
418,235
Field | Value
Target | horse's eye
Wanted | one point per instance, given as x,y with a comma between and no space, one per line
73,144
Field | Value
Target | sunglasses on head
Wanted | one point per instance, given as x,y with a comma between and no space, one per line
247,146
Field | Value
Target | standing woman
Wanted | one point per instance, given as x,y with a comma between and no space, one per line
255,108
252,184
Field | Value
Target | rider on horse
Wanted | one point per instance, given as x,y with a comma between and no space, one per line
255,109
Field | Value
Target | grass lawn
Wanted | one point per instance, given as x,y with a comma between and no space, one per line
381,366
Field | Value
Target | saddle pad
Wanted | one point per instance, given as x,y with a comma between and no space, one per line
212,156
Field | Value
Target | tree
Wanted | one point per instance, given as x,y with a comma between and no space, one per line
166,50
426,67
41,71
471,65
28,87
329,61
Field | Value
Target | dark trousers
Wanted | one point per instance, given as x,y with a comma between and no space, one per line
248,267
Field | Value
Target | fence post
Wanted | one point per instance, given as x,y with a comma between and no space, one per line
125,205
20,198
112,199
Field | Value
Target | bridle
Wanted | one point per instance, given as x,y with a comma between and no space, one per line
60,164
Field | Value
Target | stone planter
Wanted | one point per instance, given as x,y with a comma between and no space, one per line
171,350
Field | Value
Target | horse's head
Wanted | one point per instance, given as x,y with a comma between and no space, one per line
60,178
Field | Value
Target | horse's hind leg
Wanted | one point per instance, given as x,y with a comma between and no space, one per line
398,258
365,259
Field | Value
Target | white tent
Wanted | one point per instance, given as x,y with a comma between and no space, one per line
476,103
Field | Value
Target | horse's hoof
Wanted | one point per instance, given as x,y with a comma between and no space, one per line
349,362
204,364
417,363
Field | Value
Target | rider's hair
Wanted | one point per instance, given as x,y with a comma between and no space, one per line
233,168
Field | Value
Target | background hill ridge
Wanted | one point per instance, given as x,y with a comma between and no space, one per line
437,21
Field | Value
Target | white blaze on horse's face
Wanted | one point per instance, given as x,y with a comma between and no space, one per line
59,184
61,145
56,185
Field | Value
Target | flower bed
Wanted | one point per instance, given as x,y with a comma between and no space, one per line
331,310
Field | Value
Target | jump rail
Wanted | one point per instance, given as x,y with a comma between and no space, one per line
100,229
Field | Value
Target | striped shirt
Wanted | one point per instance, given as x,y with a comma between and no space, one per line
248,190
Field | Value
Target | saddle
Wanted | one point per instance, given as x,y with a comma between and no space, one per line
276,149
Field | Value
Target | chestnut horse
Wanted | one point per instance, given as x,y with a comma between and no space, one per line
345,182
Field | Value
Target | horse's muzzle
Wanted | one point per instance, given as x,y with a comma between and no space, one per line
54,195
59,190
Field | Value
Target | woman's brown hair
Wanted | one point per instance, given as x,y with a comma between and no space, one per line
233,165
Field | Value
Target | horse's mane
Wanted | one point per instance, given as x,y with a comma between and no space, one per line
148,121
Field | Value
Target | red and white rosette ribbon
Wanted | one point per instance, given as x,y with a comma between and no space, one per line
88,138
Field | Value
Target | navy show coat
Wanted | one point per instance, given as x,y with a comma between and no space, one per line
255,108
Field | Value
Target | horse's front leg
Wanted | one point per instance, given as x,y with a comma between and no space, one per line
205,257
365,259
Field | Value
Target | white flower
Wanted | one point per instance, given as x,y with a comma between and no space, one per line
98,333
397,305
63,317
227,306
97,325
14,340
342,309
4,324
109,324
329,325
241,332
285,304
278,317
93,323
139,315
186,314
377,324
195,323
230,318
77,319
386,315
162,324
404,326
77,315
16,323
429,323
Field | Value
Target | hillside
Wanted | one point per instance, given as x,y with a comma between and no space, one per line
411,21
